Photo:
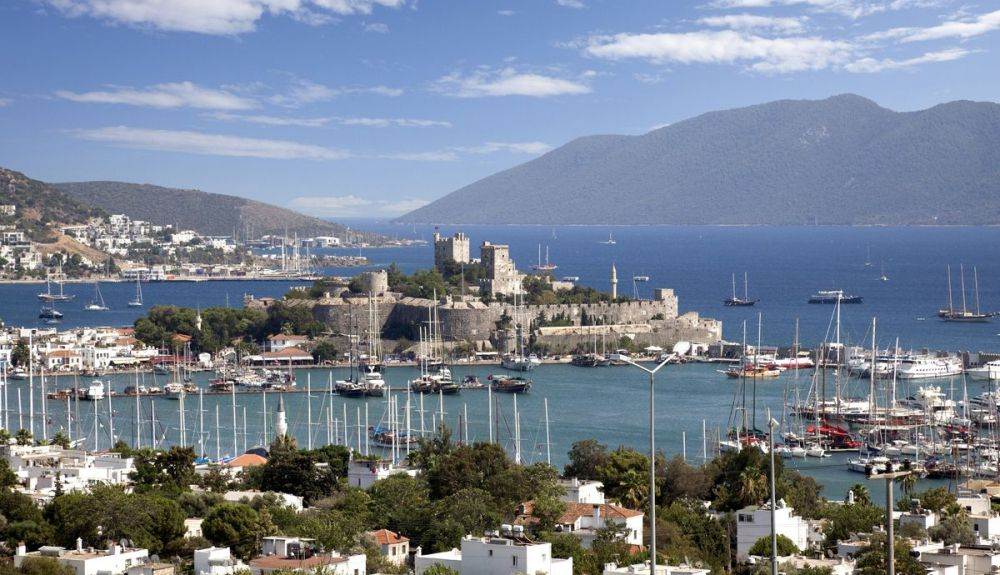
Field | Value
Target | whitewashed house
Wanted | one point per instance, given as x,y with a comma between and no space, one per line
496,556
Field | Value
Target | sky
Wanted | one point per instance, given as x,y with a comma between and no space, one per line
372,108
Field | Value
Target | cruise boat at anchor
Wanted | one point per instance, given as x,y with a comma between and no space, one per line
833,296
927,367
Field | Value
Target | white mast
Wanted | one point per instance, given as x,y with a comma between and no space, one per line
517,433
69,422
45,418
367,437
548,443
31,386
489,401
111,416
152,424
183,424
201,423
218,436
138,409
244,429
465,421
423,430
95,426
309,412
236,448
20,420
961,273
263,395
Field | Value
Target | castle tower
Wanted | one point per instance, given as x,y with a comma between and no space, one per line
614,282
280,425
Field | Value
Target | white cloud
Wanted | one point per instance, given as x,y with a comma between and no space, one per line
850,8
305,92
219,17
755,22
351,205
507,82
967,28
532,148
506,12
5,102
772,55
649,78
398,122
170,95
266,120
571,3
377,27
209,144
432,156
872,65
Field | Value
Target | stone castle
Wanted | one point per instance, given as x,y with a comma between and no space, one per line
467,319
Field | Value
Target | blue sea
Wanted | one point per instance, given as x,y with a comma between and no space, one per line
784,265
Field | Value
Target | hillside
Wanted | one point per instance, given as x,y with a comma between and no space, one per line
38,204
843,160
210,214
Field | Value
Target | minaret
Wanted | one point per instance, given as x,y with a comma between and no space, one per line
614,282
280,425
197,319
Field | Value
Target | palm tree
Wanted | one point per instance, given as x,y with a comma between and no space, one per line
23,437
633,489
861,495
908,483
753,487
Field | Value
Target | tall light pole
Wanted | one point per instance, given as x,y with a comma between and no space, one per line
889,475
652,458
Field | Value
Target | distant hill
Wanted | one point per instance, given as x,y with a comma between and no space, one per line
38,204
843,160
210,214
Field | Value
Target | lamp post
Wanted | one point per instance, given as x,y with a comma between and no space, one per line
772,425
652,458
889,475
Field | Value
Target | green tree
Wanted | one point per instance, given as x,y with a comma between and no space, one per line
324,351
61,439
44,566
626,477
762,547
21,355
954,529
291,471
586,458
7,476
232,525
871,560
861,494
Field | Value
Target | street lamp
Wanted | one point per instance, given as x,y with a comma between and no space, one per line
652,459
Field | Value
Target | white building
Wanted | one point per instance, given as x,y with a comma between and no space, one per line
958,560
89,561
582,491
364,473
40,467
280,341
392,546
496,556
753,522
297,554
643,569
216,561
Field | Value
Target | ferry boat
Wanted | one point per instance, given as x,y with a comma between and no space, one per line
800,361
833,296
517,362
926,367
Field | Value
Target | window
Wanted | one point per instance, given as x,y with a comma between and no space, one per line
491,553
975,527
515,560
393,549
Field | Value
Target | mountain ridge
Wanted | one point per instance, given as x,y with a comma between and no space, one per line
841,160
205,212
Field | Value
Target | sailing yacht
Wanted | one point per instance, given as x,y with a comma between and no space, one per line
96,304
544,267
735,301
137,300
519,360
610,241
964,315
883,277
48,296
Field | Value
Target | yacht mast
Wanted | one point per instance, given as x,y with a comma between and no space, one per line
961,272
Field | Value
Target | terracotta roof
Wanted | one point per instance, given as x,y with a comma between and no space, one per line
287,337
575,511
277,562
182,338
386,537
61,353
246,460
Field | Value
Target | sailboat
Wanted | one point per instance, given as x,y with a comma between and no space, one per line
543,267
610,241
519,360
96,304
964,315
48,296
737,301
883,277
868,258
137,300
